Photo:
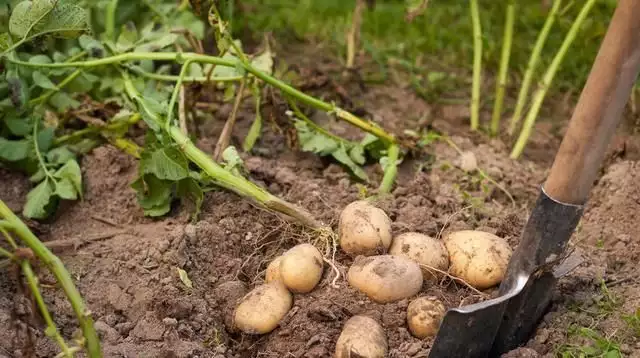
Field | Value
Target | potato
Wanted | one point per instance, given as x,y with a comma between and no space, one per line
424,316
301,268
364,229
385,278
480,258
262,309
424,250
273,271
361,337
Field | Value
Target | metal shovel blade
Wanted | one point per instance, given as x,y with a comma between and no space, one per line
471,331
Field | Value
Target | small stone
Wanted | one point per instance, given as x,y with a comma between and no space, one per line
149,328
190,231
163,245
124,328
110,319
413,349
107,332
468,161
171,322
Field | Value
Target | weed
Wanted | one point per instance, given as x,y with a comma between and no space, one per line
596,345
633,322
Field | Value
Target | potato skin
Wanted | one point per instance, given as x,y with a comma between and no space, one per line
424,316
364,229
273,271
301,268
261,310
480,258
361,337
424,250
385,278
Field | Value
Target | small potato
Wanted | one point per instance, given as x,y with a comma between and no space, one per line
364,229
262,309
424,316
361,337
273,271
480,258
301,268
425,250
385,278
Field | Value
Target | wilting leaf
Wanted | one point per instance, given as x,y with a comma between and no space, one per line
39,200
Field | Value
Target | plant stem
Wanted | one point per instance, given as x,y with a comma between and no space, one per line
504,67
223,177
195,57
223,140
13,223
390,169
540,94
353,36
531,66
51,330
94,130
171,78
477,65
110,21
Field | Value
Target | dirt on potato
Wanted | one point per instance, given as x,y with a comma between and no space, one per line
126,265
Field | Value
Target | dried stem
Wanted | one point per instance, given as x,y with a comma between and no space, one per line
225,135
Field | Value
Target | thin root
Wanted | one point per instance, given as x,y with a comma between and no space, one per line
455,278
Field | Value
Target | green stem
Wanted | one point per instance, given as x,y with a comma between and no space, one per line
390,170
95,130
504,67
171,78
314,125
110,20
531,66
176,91
547,80
6,254
45,96
179,57
41,162
52,330
64,279
223,177
477,65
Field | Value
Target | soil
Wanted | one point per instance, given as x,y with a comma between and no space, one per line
126,265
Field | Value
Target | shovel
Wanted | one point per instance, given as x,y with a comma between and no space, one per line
496,326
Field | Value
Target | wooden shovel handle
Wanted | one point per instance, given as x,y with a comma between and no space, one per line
599,108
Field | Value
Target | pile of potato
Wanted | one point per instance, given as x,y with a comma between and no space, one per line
385,268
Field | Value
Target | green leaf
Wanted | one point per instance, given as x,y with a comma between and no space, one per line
62,101
167,163
60,155
5,41
312,141
232,160
65,190
18,126
167,39
254,133
264,62
18,89
14,150
70,172
189,188
91,45
39,200
43,81
150,110
127,38
40,59
45,139
27,14
343,157
154,195
357,154
61,18
224,71
38,176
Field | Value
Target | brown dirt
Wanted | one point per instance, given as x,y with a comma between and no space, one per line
141,308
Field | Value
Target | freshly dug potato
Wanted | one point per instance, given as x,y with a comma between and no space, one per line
262,309
364,229
424,316
424,250
385,278
301,268
361,337
273,271
478,257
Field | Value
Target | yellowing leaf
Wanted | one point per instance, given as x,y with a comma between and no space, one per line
184,277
